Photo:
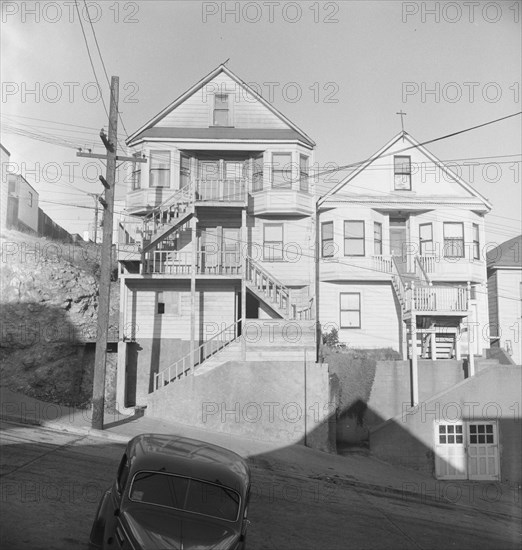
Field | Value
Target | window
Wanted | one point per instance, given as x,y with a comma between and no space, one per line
30,199
476,242
453,240
282,170
221,110
161,303
354,238
350,310
257,175
184,171
327,241
136,176
303,173
377,239
159,169
273,242
402,173
426,239
450,434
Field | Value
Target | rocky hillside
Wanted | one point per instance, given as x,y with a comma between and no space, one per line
49,296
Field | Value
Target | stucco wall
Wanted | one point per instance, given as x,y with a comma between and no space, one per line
492,394
259,400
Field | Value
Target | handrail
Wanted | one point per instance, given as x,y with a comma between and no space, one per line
186,194
265,272
420,267
166,376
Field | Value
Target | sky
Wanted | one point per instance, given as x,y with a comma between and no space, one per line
339,70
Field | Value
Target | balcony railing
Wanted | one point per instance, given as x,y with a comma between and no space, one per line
228,190
437,299
173,262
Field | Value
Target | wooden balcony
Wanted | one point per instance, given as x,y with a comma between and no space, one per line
179,264
436,300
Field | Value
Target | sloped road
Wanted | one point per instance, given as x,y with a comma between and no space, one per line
51,482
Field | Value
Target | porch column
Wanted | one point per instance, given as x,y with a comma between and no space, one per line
244,252
471,354
414,364
193,229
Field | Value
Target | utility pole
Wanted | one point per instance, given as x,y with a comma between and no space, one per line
109,182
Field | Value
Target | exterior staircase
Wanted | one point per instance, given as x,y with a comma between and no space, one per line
273,293
167,218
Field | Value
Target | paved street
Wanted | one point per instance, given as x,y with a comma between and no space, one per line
52,481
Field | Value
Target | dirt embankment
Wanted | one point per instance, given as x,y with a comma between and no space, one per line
49,297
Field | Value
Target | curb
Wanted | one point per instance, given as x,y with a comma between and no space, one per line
61,427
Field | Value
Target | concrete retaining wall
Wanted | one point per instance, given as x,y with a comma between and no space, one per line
391,387
492,394
259,400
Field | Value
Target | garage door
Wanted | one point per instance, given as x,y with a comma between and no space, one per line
466,450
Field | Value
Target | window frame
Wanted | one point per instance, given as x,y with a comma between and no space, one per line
325,241
287,184
341,310
397,172
452,240
363,238
159,170
377,240
304,182
265,243
228,110
476,241
423,242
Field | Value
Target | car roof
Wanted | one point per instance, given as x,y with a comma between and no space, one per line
188,457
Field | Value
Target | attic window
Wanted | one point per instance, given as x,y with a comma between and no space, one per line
221,110
402,173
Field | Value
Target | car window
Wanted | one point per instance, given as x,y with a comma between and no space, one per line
123,473
186,494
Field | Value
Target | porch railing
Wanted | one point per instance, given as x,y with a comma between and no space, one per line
186,365
173,262
439,298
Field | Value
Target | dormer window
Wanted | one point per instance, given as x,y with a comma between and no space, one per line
221,110
402,173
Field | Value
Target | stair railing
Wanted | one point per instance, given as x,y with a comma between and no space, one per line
398,283
162,213
420,272
266,283
185,365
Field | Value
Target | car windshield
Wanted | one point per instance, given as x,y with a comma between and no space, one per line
183,493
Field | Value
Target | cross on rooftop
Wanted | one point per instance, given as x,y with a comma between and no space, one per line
402,118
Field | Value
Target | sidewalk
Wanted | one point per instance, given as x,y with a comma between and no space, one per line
359,471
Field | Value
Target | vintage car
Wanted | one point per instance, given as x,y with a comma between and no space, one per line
176,493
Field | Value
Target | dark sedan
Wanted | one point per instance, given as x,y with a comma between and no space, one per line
174,493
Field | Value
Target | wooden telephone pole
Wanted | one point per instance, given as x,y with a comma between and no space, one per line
109,182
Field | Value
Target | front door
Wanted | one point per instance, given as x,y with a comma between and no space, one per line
398,240
467,450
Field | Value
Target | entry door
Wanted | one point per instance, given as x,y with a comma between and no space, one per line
398,239
450,451
483,462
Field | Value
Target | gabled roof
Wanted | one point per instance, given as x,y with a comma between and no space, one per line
412,144
194,89
507,254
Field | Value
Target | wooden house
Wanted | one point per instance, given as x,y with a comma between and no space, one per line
222,230
401,256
